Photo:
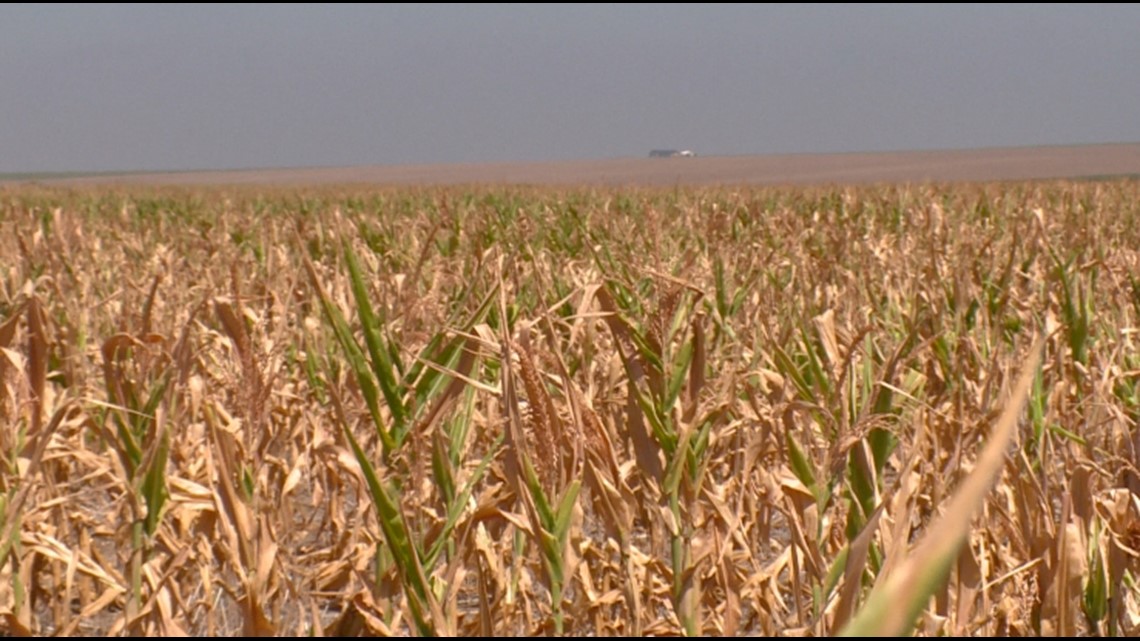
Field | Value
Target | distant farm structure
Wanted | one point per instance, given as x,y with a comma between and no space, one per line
671,153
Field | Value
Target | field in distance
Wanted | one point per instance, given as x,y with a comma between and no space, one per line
570,410
1019,163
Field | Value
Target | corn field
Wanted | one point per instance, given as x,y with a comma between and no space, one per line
539,411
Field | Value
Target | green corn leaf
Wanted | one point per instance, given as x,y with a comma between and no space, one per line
801,464
399,541
882,443
652,358
1096,589
377,351
356,359
441,471
541,503
677,379
154,484
662,427
456,507
155,398
128,442
432,380
822,380
562,520
360,369
552,553
427,380
835,571
789,369
677,463
738,300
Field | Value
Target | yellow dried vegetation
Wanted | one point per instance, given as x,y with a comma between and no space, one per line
351,411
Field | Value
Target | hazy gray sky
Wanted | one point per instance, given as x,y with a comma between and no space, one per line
108,87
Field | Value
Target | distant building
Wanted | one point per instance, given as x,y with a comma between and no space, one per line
671,153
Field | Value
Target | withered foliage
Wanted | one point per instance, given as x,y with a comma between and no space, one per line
603,412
